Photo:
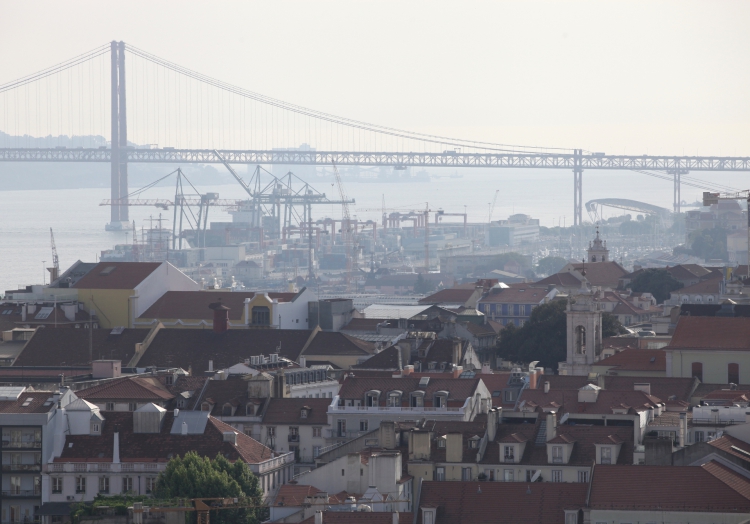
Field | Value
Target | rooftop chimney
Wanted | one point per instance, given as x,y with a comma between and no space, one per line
221,316
546,386
318,517
210,365
116,447
184,428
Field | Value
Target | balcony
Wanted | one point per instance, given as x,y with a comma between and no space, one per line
271,464
509,458
293,438
22,444
32,468
22,493
557,460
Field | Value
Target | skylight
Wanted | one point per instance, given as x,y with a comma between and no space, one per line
44,313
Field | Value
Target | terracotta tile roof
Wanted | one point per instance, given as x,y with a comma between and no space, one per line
57,347
636,360
731,478
359,517
449,296
193,348
159,447
620,342
127,388
564,381
480,330
661,387
183,383
709,286
733,446
566,401
730,395
294,494
334,343
283,411
495,381
389,358
515,294
724,333
36,405
194,304
662,488
458,389
232,391
460,502
604,274
559,279
125,275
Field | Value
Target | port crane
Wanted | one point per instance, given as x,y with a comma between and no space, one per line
54,271
346,228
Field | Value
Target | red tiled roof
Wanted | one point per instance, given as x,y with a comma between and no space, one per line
515,294
125,275
661,387
70,347
294,494
461,502
665,489
285,411
450,296
194,304
605,274
559,279
728,443
721,333
159,447
636,360
710,285
388,359
127,388
731,478
567,400
363,324
36,405
334,343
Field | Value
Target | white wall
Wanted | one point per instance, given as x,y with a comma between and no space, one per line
294,314
165,278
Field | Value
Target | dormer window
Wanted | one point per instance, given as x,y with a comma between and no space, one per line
417,399
474,442
394,399
606,455
226,410
249,409
96,428
205,406
509,453
441,399
372,398
169,379
557,454
303,413
441,442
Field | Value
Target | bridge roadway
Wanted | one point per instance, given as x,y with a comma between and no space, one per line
574,161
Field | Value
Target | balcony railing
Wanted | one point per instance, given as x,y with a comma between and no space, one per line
30,444
557,460
293,438
509,458
22,493
99,467
22,467
277,462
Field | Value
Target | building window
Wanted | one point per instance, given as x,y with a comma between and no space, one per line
205,406
417,400
95,428
103,484
80,484
556,475
440,474
132,406
571,517
341,427
316,451
150,484
583,476
363,425
580,340
530,474
509,454
317,432
371,399
466,474
303,413
261,316
394,400
56,484
699,436
507,475
169,380
271,431
606,455
109,406
733,373
127,484
557,454
509,395
489,474
697,370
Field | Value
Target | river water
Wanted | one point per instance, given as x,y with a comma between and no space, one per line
78,220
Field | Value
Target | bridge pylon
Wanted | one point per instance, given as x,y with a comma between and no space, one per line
119,141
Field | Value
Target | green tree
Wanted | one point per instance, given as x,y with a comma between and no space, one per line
710,244
611,327
659,282
423,286
550,265
542,338
193,476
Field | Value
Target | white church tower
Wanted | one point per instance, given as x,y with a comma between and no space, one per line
584,332
598,251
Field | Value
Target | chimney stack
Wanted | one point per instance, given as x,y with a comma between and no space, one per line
318,517
184,428
221,317
546,386
210,365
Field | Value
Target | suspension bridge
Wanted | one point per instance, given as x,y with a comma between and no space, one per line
161,112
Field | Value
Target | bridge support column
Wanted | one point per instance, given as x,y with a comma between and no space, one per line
123,118
577,188
114,183
677,200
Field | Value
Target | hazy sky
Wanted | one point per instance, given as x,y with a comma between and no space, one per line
620,77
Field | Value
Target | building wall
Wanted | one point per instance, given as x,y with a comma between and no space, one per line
693,517
306,444
165,278
715,364
111,306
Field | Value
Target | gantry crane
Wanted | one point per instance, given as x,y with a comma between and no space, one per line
346,227
54,271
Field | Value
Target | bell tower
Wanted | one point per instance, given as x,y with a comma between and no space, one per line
584,332
598,251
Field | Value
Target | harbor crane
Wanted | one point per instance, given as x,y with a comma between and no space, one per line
54,271
346,227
